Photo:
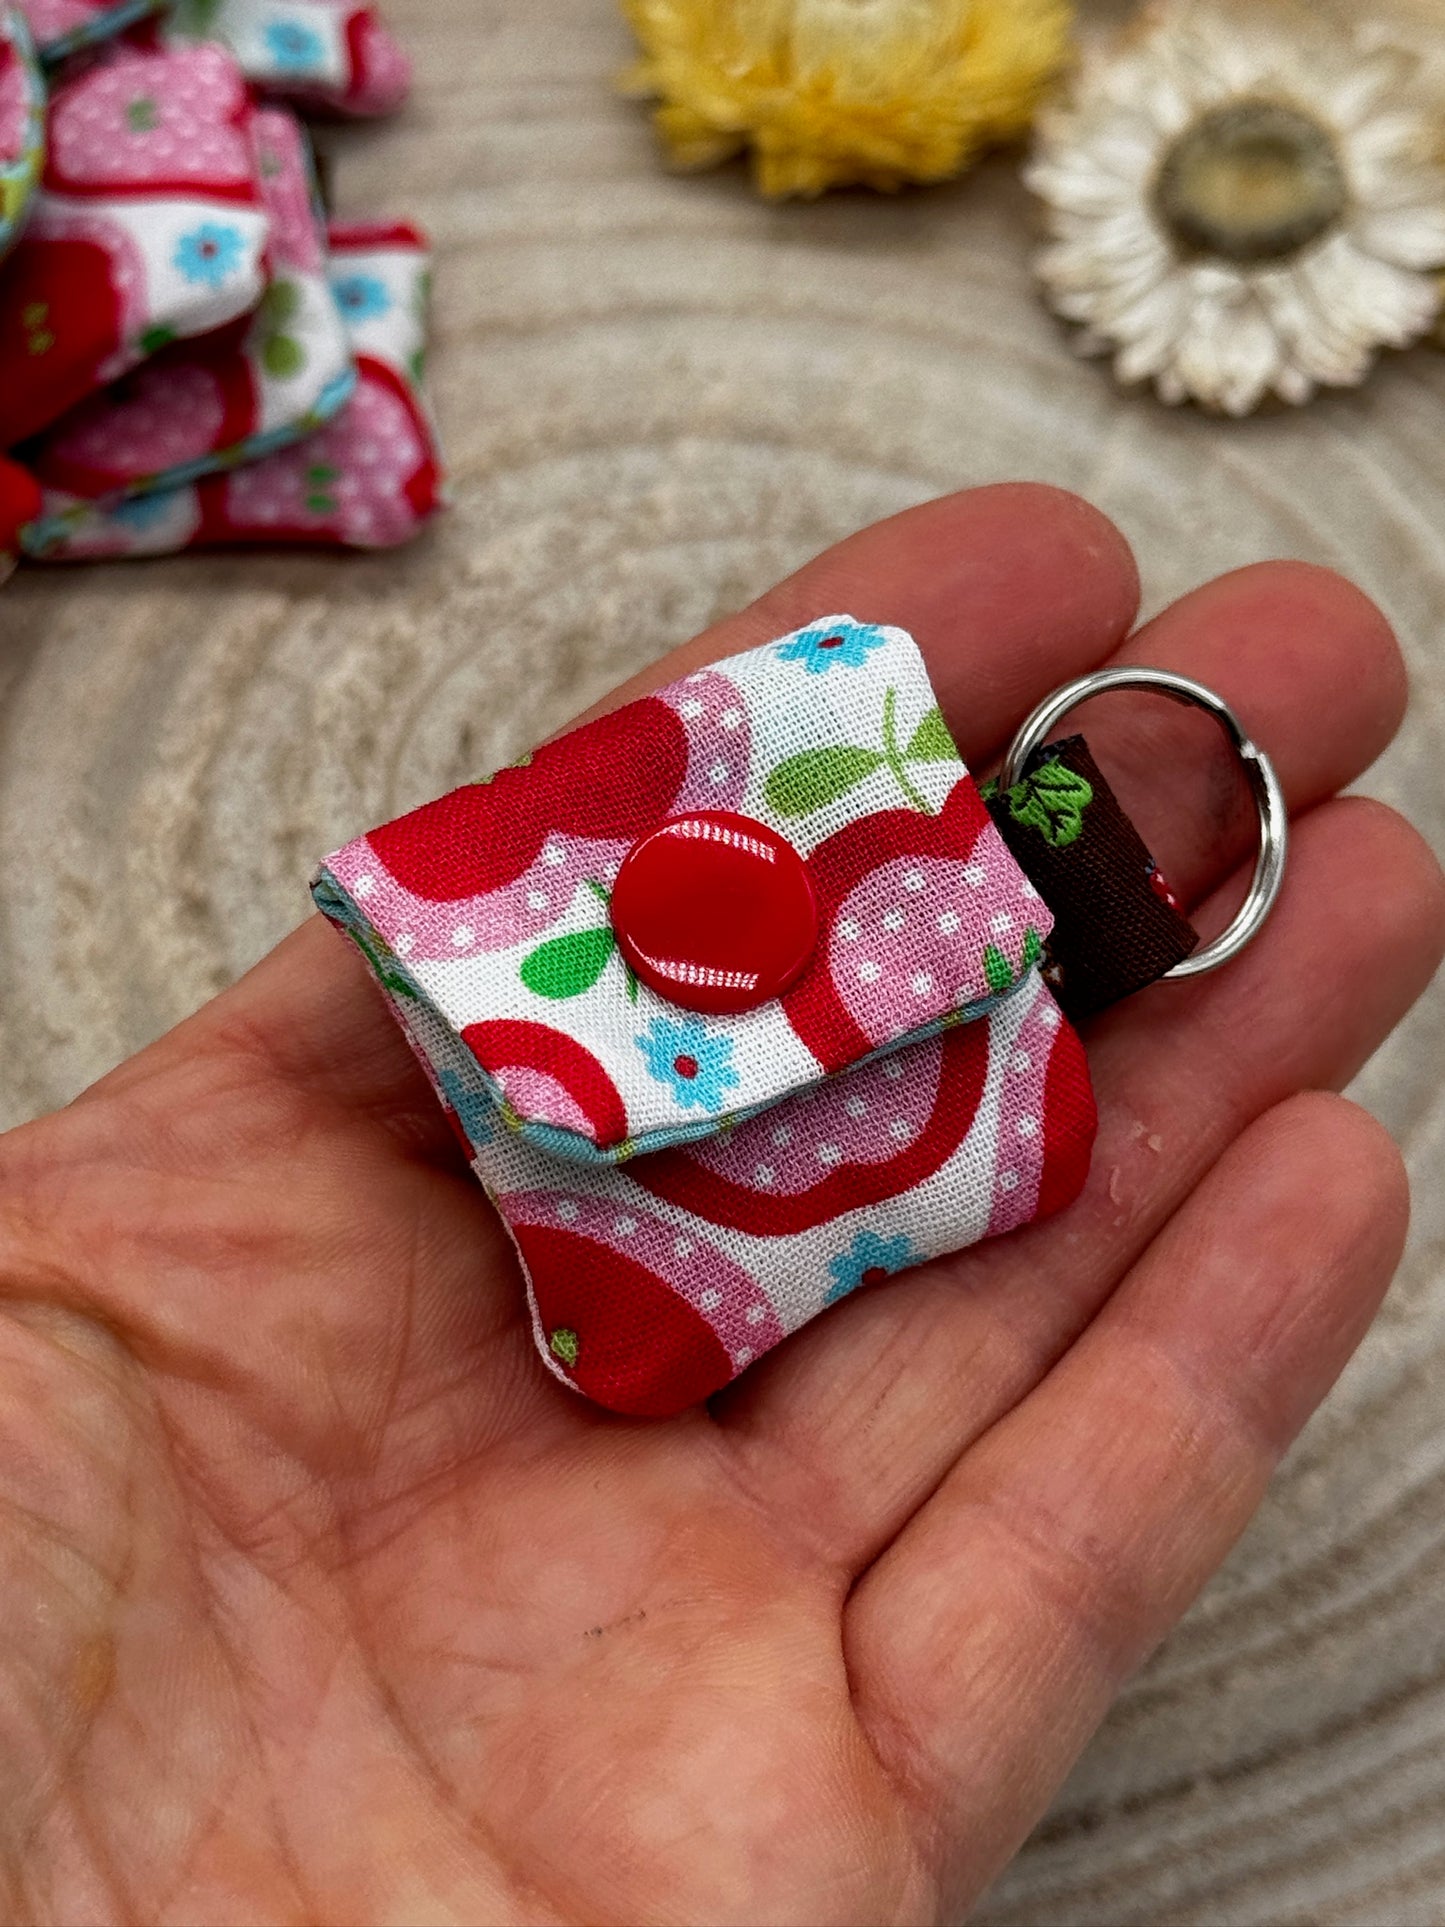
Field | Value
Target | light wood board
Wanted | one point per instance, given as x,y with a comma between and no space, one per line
658,395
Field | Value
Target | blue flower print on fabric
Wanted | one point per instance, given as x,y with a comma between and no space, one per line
361,297
296,49
868,1257
473,1108
209,253
694,1064
832,645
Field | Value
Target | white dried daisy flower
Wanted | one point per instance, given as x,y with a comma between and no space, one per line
1243,200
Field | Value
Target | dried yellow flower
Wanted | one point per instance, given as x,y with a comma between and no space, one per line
833,93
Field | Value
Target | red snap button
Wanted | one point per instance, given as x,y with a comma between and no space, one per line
715,912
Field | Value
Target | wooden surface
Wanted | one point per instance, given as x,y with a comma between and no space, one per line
658,395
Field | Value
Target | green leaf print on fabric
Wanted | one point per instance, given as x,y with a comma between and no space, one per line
931,742
1052,801
283,356
999,974
281,303
566,966
197,17
816,777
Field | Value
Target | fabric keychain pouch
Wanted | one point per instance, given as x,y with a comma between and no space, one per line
327,54
735,998
149,227
370,479
22,121
229,398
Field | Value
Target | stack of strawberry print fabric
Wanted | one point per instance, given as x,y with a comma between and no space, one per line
191,354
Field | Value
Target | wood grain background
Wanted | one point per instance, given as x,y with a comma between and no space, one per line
658,395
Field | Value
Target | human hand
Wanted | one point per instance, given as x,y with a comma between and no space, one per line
321,1601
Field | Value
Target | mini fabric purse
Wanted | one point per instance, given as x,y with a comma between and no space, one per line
149,227
329,54
230,398
735,997
370,478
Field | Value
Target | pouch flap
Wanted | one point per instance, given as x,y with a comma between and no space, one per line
491,908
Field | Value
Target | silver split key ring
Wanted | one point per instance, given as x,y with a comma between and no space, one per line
1269,801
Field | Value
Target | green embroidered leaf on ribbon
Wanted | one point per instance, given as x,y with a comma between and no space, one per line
1033,949
567,966
1052,801
931,742
814,777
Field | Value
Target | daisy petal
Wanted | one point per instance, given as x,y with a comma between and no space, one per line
1408,237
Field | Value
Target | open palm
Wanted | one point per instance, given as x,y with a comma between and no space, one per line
321,1601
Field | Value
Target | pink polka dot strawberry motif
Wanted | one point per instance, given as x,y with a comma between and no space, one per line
151,121
483,871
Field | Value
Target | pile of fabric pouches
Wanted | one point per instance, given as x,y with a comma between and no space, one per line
191,355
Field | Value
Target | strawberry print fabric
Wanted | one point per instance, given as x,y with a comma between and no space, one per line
319,53
149,227
684,1192
231,397
496,896
63,27
22,121
370,479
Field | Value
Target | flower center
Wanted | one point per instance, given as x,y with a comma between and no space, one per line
685,1066
1251,182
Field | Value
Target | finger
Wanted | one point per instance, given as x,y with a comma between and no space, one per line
851,1425
1009,591
990,1639
1309,664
